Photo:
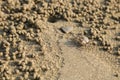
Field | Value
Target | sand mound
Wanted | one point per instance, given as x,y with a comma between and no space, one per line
29,33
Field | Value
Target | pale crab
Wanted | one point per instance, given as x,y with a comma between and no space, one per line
82,40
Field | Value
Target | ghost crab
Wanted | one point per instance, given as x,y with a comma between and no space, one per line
82,40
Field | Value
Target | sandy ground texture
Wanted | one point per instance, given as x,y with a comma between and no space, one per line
60,40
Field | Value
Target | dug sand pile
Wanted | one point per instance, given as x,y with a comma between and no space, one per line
33,46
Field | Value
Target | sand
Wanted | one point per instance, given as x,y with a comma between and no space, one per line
34,45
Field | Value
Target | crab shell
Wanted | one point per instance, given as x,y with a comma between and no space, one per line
83,40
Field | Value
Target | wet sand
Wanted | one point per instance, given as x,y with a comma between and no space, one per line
59,39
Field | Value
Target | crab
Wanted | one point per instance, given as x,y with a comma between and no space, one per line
83,40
